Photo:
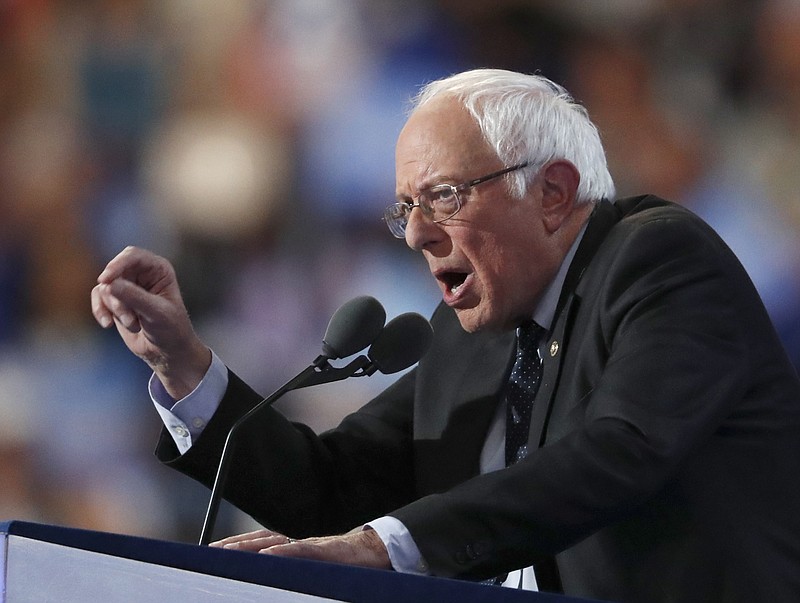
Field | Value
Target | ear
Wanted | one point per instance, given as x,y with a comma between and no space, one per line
560,181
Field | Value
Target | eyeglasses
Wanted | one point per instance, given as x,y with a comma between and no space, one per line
440,202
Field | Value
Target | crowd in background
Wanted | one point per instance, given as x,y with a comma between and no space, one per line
251,142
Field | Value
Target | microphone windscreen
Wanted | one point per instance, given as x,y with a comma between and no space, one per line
403,341
355,325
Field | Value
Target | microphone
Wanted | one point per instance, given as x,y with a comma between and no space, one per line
355,325
403,341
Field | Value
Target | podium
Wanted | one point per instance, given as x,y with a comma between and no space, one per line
42,563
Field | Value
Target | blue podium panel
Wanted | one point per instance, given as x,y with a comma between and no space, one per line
40,563
41,572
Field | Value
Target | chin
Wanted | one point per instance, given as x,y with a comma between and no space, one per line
467,320
473,320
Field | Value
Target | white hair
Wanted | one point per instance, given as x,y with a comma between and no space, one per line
529,118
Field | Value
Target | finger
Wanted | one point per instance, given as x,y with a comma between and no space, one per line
258,545
125,260
323,548
112,306
149,310
301,549
363,549
155,312
253,541
139,266
246,536
100,311
129,322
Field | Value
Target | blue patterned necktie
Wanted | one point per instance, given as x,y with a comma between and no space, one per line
522,386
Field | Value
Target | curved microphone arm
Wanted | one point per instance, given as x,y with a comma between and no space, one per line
357,324
319,372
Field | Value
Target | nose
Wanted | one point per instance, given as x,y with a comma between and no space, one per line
421,231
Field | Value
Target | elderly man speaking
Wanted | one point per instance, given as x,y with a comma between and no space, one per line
606,410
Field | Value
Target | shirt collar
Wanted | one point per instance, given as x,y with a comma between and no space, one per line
546,308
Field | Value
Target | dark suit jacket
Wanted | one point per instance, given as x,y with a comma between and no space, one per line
665,435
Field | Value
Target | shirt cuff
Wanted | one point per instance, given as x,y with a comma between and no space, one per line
403,551
186,418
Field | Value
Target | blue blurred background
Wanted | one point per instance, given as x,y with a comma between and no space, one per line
252,142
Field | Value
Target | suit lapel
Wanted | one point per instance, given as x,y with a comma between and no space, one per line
553,348
551,351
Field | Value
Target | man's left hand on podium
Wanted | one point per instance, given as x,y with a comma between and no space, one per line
360,547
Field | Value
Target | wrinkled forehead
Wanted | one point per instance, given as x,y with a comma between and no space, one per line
442,140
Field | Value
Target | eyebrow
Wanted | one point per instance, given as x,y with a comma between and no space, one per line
428,184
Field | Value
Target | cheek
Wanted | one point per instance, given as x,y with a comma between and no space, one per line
510,275
496,275
500,263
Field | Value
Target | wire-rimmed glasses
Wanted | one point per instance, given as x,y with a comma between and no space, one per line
440,202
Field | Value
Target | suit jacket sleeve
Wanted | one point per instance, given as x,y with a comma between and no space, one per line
327,483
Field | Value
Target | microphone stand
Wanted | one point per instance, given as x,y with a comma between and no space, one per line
319,372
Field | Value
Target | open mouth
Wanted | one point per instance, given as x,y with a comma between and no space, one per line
453,280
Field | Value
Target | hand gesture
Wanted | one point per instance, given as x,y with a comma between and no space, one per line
138,291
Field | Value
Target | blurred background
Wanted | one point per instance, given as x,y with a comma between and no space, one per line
251,142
